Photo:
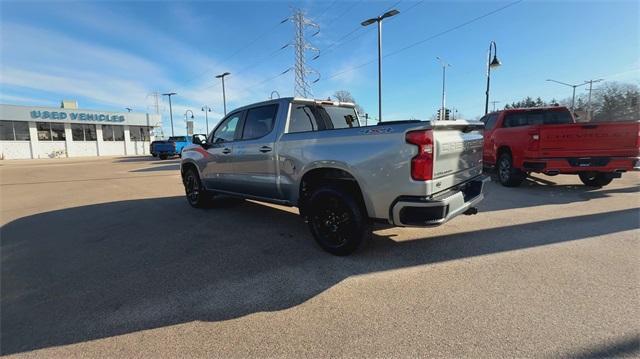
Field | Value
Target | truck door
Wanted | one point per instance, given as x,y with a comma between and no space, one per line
488,152
218,170
254,158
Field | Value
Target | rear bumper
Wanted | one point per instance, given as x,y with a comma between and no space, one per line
574,165
412,211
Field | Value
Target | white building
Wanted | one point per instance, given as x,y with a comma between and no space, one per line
49,132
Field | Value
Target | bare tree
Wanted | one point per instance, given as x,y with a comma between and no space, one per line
345,96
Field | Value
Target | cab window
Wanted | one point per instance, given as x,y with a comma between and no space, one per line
490,121
515,120
227,130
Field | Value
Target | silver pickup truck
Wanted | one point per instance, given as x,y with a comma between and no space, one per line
342,176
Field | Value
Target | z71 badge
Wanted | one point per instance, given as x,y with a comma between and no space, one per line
376,131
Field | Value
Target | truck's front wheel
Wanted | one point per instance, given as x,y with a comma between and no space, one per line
595,179
507,174
337,222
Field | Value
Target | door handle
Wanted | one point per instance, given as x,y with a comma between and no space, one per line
226,151
265,149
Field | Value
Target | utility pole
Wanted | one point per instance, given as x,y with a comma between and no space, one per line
169,94
444,72
589,109
302,87
494,105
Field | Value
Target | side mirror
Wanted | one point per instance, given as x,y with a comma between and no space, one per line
199,139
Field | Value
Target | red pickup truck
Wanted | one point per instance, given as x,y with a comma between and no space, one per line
548,140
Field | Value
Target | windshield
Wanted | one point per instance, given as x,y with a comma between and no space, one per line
177,139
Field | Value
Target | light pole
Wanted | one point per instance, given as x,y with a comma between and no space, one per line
224,96
170,109
444,71
490,64
573,97
378,20
206,109
186,122
590,113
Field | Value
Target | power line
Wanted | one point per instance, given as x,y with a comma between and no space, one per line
444,32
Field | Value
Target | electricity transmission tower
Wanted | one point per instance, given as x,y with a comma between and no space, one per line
302,25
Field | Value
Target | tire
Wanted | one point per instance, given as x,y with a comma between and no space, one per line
507,174
196,194
595,179
163,157
154,154
336,220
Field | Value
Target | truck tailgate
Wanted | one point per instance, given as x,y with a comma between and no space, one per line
458,152
589,139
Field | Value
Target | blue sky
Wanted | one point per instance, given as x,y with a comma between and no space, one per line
112,55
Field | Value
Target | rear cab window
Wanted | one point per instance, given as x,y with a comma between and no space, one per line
317,117
538,117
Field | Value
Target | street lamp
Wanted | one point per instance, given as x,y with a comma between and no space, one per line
573,98
490,64
128,109
444,70
206,109
170,109
378,20
224,97
186,122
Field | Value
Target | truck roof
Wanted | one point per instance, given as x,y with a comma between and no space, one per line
298,100
543,108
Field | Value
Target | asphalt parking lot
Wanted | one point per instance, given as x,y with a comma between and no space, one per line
104,257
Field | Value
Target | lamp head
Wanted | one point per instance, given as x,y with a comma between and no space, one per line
223,75
368,22
495,62
390,13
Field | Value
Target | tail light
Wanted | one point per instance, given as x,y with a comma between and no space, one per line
422,163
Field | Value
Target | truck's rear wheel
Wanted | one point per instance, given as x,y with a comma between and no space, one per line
595,179
507,174
196,194
163,157
337,222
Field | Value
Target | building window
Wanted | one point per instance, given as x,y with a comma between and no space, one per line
48,131
57,132
82,132
14,131
44,131
139,133
112,133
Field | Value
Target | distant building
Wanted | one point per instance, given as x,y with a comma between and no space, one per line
49,132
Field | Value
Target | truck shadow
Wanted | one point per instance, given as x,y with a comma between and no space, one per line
539,190
97,271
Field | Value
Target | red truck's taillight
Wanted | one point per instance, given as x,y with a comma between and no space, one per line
422,163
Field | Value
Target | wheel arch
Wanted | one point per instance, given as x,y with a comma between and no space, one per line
317,176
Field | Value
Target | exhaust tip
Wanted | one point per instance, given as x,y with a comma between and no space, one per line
471,211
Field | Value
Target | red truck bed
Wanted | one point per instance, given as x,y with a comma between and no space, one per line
548,140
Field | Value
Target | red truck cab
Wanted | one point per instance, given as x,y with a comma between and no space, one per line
548,140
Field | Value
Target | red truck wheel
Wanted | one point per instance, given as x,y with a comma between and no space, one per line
507,174
595,179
